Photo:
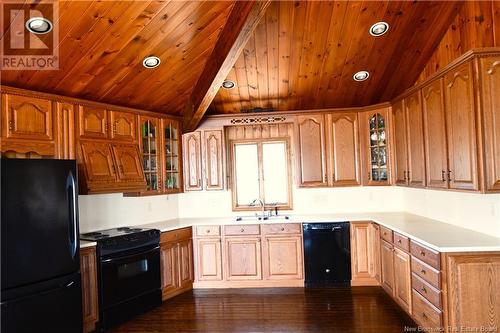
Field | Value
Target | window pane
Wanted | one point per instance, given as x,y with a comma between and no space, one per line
247,173
274,159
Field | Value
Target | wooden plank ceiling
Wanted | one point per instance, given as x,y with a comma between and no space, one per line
303,55
102,45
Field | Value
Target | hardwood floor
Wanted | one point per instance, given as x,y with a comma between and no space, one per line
358,309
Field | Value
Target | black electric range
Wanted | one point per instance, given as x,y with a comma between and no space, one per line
128,268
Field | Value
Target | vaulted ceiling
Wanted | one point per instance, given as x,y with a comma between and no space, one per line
302,55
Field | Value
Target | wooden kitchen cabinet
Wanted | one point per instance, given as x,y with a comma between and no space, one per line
93,122
99,164
374,240
489,73
242,258
176,262
436,148
208,259
283,257
415,173
123,126
387,266
88,269
343,149
191,144
311,151
400,143
171,150
213,159
361,258
461,128
128,163
402,279
375,135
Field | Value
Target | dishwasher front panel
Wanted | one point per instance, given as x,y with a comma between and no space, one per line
327,254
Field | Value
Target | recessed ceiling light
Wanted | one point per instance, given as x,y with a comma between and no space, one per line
151,62
228,84
39,25
361,76
379,28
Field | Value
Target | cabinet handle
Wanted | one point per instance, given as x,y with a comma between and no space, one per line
449,175
423,271
443,174
11,125
199,181
369,175
422,253
208,231
423,290
326,178
408,175
424,315
114,128
282,229
113,167
106,126
404,175
242,230
399,241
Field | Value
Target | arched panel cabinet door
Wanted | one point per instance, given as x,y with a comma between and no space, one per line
123,126
311,153
27,118
415,136
128,163
98,160
213,142
191,144
461,128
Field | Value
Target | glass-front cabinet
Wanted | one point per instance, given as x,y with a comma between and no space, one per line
375,138
171,156
159,141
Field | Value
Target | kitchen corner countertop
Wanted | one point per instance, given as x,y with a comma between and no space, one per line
440,236
84,244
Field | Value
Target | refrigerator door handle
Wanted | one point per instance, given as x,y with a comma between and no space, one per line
73,237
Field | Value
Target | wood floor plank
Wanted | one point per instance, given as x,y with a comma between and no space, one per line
359,309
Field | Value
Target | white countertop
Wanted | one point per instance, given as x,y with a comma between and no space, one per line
442,237
84,244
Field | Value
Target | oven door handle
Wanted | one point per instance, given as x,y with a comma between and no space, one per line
130,256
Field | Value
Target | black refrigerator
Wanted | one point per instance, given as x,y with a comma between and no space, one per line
40,267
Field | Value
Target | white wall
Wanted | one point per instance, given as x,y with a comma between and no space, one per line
479,212
311,200
114,210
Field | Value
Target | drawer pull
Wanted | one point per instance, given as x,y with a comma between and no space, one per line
424,290
208,231
424,315
422,253
282,229
422,271
399,241
242,230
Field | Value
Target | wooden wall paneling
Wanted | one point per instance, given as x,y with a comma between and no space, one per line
415,140
400,143
461,128
213,156
311,151
343,152
240,24
472,284
489,73
436,149
192,161
88,269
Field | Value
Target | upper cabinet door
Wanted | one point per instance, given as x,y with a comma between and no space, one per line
27,118
374,136
344,149
490,84
214,179
123,126
192,161
400,147
98,160
435,135
128,162
93,123
461,128
416,157
311,151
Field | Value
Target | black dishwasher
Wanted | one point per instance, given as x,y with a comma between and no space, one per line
327,253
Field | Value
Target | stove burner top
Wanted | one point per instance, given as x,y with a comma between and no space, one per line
101,236
132,230
109,233
92,234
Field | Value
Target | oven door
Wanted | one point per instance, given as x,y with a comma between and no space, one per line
128,276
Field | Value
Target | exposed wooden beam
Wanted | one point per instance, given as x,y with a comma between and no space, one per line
239,26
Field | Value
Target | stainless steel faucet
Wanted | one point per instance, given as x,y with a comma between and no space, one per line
262,207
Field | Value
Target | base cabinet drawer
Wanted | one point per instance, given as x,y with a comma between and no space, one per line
241,230
426,272
425,254
425,289
386,234
426,314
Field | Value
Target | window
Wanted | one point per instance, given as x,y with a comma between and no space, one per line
378,152
261,170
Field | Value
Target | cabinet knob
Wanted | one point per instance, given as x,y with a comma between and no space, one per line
282,229
399,241
208,231
424,290
424,315
422,253
11,125
449,175
242,230
443,175
422,271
